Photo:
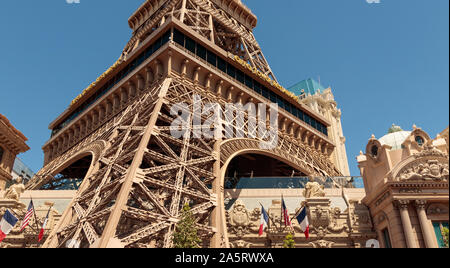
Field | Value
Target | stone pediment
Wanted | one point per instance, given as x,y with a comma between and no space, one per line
428,165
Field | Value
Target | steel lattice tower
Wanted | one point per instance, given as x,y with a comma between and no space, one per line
181,51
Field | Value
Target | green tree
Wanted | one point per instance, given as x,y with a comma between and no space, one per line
289,241
185,235
445,236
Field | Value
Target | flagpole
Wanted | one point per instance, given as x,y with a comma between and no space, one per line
46,218
269,216
281,217
34,213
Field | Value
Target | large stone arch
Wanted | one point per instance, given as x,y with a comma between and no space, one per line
95,149
287,150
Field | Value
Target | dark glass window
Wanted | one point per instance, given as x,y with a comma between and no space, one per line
301,115
222,65
288,106
307,119
157,45
1,154
280,103
387,239
201,51
212,58
231,71
374,151
190,44
265,92
420,140
273,97
165,38
257,87
240,76
178,37
249,81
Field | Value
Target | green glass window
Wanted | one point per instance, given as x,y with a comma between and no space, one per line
420,140
439,231
386,238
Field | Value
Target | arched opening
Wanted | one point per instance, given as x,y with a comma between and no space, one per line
258,171
71,177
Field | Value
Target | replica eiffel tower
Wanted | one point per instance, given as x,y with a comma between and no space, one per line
114,143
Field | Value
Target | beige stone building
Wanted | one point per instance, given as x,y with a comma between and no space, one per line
321,100
114,176
12,143
406,182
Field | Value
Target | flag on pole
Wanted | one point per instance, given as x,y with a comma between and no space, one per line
284,211
26,219
302,219
7,224
41,233
264,220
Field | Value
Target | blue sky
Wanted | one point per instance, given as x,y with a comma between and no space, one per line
386,63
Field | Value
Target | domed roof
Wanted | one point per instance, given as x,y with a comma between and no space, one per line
395,137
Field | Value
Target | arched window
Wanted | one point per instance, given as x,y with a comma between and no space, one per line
1,154
420,140
374,151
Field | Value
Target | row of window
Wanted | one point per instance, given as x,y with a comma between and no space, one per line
116,79
240,76
211,58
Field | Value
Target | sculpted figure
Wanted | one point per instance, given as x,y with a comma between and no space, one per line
15,191
314,189
410,174
444,172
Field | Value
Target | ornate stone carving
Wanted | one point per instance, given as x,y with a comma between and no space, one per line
437,209
15,191
322,244
382,198
240,244
403,204
313,189
240,220
426,170
420,204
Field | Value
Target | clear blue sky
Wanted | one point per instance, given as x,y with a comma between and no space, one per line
387,63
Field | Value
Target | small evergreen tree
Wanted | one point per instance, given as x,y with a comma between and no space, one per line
185,235
289,241
445,236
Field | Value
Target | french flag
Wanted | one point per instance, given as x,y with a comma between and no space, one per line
302,219
264,221
7,224
41,233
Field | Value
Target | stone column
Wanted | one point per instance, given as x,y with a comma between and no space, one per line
427,231
406,222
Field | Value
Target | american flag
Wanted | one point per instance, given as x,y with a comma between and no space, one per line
26,220
284,211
